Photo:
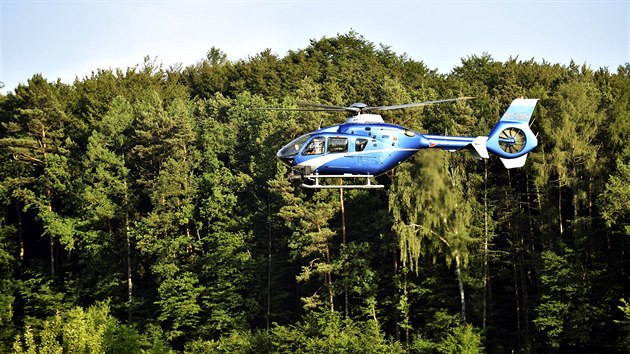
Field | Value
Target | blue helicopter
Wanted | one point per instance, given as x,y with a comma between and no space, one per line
365,146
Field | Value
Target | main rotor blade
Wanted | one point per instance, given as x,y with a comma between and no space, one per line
316,107
311,107
297,109
416,104
324,107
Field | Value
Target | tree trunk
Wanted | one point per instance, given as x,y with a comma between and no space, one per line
270,233
560,206
20,233
396,313
525,309
48,196
406,309
129,279
510,204
345,266
51,244
462,296
590,197
328,275
329,281
522,253
128,250
486,271
517,303
529,207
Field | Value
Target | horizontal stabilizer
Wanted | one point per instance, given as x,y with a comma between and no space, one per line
514,163
479,150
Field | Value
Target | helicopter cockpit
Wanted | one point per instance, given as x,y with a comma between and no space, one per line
288,152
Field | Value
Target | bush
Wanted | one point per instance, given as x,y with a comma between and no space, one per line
88,331
318,332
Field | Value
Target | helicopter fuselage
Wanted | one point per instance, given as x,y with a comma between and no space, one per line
366,146
361,146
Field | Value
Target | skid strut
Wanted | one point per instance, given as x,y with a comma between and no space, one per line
315,178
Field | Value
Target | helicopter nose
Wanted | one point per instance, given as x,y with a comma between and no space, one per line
287,160
284,157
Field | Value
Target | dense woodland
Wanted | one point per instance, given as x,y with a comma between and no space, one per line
143,210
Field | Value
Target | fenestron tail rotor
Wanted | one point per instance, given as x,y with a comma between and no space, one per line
512,140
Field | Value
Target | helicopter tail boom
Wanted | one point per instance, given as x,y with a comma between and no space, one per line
510,139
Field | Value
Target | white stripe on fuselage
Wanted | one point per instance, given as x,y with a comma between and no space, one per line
319,161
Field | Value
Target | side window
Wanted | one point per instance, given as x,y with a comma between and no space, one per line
336,145
315,147
360,144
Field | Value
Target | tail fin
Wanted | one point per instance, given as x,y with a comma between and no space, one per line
511,139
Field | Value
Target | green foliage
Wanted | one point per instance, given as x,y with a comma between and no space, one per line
326,332
234,342
624,323
311,240
318,332
565,313
157,190
461,339
179,304
616,198
80,331
7,286
435,216
450,336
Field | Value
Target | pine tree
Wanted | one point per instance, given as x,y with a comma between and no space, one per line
107,205
311,242
36,136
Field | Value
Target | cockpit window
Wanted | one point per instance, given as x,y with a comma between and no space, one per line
336,145
294,147
360,144
315,147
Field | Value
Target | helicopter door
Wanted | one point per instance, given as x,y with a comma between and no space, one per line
366,160
337,151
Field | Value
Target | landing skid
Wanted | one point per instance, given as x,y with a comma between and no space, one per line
316,185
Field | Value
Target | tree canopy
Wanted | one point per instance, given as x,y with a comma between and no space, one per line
143,209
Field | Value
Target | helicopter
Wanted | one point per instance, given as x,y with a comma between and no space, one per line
365,146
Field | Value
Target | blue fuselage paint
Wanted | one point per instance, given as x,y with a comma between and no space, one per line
371,149
366,145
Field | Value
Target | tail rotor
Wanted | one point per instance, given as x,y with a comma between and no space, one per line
511,139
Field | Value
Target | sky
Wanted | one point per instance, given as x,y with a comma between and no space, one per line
73,38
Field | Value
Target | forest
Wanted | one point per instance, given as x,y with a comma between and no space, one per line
143,210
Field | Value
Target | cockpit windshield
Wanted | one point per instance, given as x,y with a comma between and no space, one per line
293,147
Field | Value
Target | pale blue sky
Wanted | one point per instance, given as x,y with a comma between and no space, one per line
68,39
